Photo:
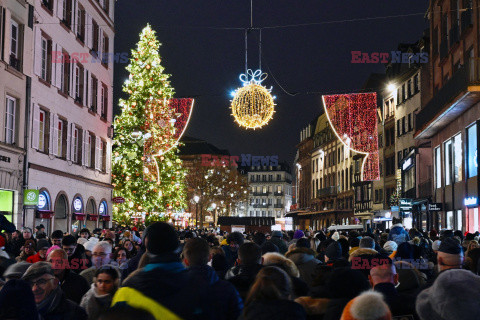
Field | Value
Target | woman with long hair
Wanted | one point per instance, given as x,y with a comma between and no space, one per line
270,297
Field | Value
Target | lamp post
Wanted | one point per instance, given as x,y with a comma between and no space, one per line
196,199
214,206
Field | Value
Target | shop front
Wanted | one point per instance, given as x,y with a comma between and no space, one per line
472,223
7,198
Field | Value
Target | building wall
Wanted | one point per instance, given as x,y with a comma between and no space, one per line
70,100
13,88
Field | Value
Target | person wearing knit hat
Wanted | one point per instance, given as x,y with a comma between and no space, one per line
333,252
449,255
453,295
17,301
41,255
367,306
165,270
390,248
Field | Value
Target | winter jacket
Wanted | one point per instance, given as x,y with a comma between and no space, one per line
276,309
23,257
280,243
132,264
165,289
230,255
242,277
225,298
57,307
398,234
400,304
306,263
74,286
94,303
35,258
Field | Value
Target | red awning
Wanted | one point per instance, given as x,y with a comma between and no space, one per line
45,214
79,216
92,217
106,218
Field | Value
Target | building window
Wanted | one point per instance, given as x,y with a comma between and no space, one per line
95,34
410,122
11,106
416,87
472,158
450,219
403,125
81,24
79,80
438,168
88,150
398,128
409,86
48,4
65,78
46,59
105,49
75,142
459,220
447,149
94,85
60,127
15,45
403,93
67,13
457,158
41,131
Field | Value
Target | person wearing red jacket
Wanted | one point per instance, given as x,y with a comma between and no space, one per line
42,247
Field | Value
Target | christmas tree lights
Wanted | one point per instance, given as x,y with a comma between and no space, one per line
353,118
146,124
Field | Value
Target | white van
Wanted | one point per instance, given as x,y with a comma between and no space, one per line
349,227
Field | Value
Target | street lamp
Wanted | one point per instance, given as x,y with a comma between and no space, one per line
196,199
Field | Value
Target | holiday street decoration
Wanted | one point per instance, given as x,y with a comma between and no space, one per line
353,118
166,121
150,94
252,105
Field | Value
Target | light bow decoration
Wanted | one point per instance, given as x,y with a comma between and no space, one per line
253,105
353,118
166,122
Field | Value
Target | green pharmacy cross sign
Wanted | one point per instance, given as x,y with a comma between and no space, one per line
30,197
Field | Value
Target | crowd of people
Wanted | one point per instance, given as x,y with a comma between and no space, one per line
164,273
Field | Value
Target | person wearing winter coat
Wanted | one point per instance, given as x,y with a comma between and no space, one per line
304,259
398,233
225,298
28,250
99,298
248,265
49,297
41,255
277,239
269,297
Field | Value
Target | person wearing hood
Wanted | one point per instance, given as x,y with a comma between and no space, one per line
99,298
304,259
234,241
397,232
49,297
297,235
333,253
225,298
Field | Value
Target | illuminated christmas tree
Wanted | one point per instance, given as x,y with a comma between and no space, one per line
147,172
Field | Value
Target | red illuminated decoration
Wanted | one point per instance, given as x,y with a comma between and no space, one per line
166,122
353,118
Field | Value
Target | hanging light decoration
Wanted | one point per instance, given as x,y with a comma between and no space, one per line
252,105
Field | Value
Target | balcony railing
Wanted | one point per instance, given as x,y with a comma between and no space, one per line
261,194
454,35
425,189
451,100
276,193
278,205
328,191
467,21
260,205
15,62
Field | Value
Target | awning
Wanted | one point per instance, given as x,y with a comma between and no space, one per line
106,218
79,216
92,217
44,214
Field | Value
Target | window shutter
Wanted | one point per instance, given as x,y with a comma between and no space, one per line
55,134
57,65
74,16
72,79
98,155
69,144
88,30
38,52
50,138
60,10
35,126
84,148
86,81
107,156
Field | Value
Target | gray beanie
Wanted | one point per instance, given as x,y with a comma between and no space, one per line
442,300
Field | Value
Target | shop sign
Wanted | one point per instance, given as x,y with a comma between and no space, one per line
435,207
30,197
5,159
406,204
471,201
240,229
395,208
118,200
77,204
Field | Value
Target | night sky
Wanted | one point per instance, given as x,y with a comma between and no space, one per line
206,60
